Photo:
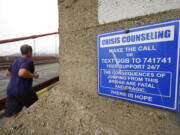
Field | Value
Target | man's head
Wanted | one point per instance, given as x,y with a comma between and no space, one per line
26,50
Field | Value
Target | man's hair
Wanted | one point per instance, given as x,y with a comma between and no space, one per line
25,49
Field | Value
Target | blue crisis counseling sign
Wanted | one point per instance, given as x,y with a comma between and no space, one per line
141,65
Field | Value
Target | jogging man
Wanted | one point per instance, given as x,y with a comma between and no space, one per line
19,90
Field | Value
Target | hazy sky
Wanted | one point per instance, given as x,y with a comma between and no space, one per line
25,18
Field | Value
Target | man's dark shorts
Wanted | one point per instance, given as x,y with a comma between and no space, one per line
14,104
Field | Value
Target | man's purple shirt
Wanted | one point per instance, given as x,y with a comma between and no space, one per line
19,86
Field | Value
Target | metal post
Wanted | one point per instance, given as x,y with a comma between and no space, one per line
55,45
34,48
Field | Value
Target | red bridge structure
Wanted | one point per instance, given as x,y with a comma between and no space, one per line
25,38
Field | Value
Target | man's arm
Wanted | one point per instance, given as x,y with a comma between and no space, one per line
8,73
26,74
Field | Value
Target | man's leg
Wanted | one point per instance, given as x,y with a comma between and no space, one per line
29,99
12,109
10,119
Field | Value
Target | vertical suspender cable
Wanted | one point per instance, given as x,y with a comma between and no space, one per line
34,46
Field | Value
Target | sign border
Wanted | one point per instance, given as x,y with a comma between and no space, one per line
177,87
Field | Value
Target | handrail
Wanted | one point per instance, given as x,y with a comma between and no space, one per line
36,88
27,37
